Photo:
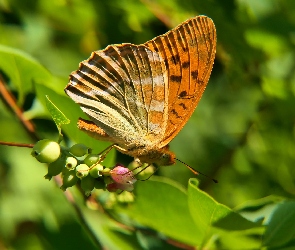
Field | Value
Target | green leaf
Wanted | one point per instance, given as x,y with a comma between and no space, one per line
22,70
208,212
108,233
281,226
58,116
259,209
248,239
162,205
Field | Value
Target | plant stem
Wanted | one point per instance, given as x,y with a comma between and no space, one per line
16,144
10,102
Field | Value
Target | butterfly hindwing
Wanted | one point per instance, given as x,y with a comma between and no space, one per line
123,90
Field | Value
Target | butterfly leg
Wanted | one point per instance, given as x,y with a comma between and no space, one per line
104,153
157,167
144,168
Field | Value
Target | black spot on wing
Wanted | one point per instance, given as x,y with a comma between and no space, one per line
182,105
194,74
173,111
182,94
175,78
185,65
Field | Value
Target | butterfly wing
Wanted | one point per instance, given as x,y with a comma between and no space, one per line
142,96
189,52
123,89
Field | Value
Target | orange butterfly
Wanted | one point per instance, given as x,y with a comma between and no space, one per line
140,96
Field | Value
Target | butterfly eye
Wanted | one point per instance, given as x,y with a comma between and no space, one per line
165,156
166,159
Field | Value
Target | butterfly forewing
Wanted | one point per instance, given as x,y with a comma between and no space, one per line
189,52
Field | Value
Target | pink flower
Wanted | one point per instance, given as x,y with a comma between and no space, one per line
123,179
122,175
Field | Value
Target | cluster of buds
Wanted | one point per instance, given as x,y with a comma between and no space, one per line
78,164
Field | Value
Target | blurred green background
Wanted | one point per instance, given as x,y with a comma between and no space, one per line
242,133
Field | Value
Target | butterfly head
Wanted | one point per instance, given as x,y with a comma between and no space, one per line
160,157
166,159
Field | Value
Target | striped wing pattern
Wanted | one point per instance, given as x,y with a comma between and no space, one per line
123,90
189,52
141,96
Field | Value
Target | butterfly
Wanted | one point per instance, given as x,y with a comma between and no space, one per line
140,96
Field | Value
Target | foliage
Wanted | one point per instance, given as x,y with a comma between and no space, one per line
242,133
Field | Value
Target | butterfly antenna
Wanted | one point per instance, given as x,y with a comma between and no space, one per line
195,171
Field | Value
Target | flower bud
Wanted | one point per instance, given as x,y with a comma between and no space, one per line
122,175
69,179
55,167
71,163
92,159
145,172
106,172
112,187
87,184
95,170
46,151
80,150
82,171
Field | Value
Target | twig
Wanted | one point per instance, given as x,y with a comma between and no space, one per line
158,12
10,102
15,144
